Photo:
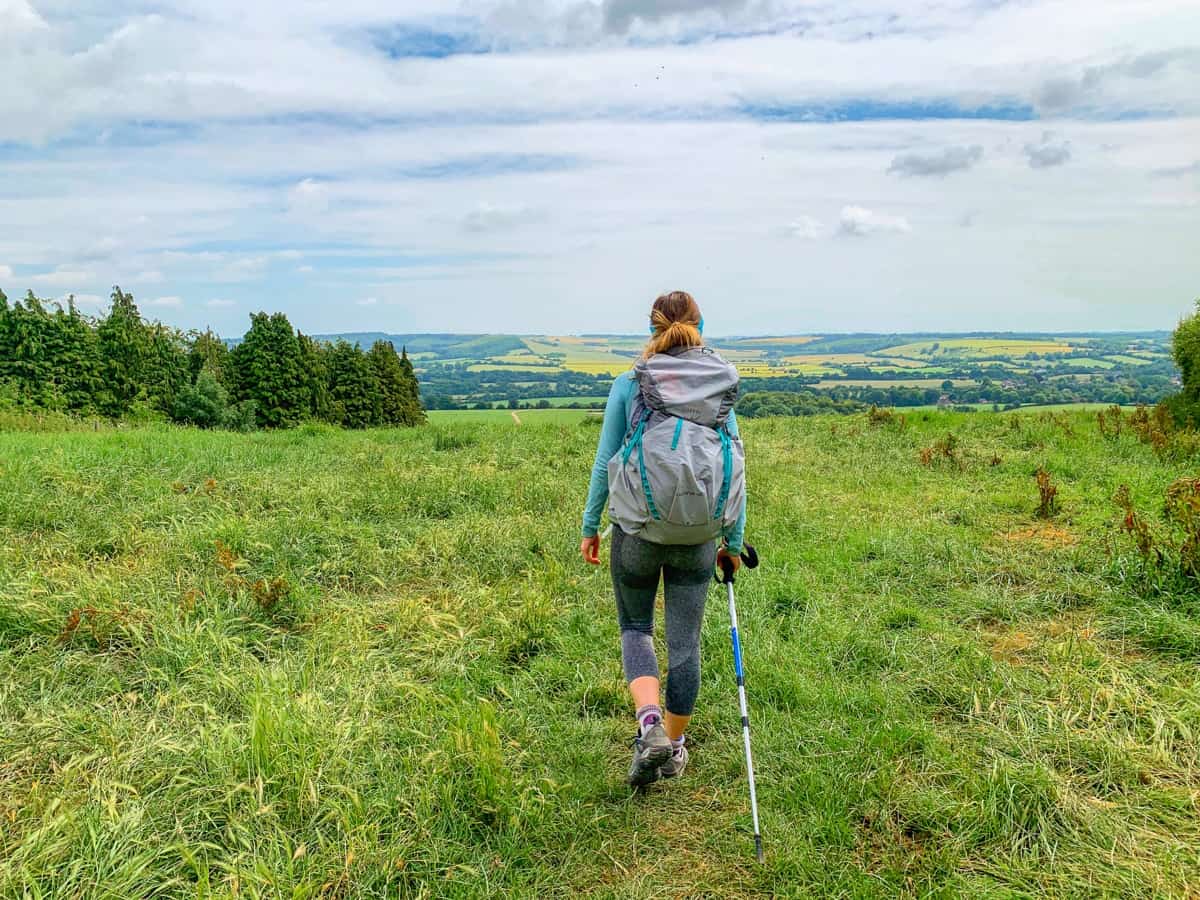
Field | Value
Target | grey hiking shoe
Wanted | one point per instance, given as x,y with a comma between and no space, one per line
650,750
674,766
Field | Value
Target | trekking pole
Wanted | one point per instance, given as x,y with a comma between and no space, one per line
750,558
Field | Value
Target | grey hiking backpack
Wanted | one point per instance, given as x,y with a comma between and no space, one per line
680,476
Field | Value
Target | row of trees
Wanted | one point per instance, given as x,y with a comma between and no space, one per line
455,386
55,358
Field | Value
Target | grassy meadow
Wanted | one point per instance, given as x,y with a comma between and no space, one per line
321,663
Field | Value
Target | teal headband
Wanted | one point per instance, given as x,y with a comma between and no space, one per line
699,327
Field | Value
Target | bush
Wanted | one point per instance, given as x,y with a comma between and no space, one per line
205,404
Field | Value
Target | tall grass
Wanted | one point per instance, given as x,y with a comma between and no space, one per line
319,663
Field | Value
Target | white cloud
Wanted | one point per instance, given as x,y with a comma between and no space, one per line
149,276
861,222
489,217
807,228
305,269
87,301
165,302
18,16
1047,152
1178,171
620,15
368,301
220,304
950,159
6,272
63,277
308,196
244,268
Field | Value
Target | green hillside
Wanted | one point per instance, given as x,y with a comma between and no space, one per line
365,664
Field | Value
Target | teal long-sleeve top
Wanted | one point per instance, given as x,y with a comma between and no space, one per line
612,435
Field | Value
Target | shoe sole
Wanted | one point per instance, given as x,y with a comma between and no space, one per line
646,770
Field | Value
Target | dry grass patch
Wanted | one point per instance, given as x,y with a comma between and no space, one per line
1044,534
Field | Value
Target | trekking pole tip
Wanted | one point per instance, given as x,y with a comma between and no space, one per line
758,850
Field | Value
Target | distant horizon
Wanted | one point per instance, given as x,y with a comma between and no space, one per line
747,335
153,312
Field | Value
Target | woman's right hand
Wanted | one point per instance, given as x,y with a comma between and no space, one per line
589,547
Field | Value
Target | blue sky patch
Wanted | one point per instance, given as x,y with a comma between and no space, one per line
416,41
864,110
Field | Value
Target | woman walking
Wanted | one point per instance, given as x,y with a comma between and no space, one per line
670,466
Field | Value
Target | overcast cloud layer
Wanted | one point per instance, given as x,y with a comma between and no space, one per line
551,165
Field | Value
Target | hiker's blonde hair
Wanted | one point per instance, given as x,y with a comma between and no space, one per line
675,318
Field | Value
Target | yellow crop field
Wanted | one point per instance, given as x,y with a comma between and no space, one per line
614,366
831,359
514,367
977,347
771,341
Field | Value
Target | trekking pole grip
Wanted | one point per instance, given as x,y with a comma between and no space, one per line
726,570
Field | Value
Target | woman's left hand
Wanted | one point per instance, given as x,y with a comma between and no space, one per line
734,560
589,547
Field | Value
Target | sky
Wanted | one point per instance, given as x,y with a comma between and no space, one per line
550,166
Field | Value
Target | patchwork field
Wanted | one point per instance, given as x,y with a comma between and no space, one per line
370,664
1016,349
762,357
489,370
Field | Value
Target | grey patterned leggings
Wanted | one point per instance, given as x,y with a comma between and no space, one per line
686,573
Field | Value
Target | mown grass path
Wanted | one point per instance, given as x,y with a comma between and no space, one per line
320,663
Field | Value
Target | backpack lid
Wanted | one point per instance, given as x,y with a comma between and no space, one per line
692,383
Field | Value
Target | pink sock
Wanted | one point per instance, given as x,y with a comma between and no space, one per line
648,715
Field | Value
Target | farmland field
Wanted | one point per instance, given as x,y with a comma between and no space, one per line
367,664
977,347
1016,364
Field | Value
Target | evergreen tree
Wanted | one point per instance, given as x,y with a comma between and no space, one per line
125,345
25,332
354,387
77,366
268,369
393,387
208,351
414,412
167,368
316,378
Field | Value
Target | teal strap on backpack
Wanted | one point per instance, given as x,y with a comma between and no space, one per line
646,483
727,460
678,430
635,439
635,442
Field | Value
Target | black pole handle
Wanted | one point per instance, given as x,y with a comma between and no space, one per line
749,560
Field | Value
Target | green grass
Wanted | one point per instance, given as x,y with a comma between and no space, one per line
1130,360
949,697
505,416
567,401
